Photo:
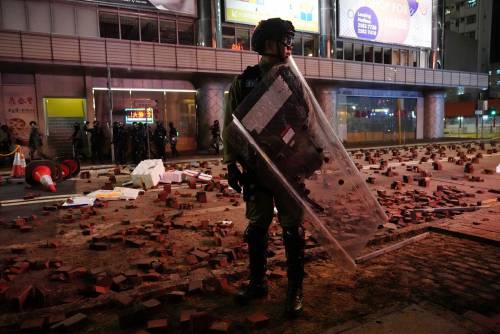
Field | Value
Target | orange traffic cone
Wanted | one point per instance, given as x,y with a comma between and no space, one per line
19,165
42,172
69,167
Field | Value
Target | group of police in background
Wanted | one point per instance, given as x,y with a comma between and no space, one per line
131,143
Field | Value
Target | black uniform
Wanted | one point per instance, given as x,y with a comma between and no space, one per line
159,138
172,135
96,142
216,139
120,143
77,141
260,200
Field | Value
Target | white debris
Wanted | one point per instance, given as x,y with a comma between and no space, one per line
148,173
171,176
79,201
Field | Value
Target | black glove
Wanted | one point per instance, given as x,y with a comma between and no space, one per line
234,177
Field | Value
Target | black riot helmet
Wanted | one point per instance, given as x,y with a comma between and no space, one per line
274,29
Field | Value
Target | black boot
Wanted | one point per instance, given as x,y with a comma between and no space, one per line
256,238
294,246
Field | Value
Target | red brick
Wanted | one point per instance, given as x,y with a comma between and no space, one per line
220,327
258,320
157,326
185,317
32,326
123,300
18,296
200,322
176,296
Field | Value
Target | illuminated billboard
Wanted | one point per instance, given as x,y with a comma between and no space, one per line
187,7
405,22
304,14
139,115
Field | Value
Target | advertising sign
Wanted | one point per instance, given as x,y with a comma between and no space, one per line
405,22
139,115
179,6
304,14
19,105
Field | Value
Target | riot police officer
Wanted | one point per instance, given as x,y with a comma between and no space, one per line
77,141
273,40
120,142
173,134
159,138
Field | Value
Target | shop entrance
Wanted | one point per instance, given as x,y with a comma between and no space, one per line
380,119
60,116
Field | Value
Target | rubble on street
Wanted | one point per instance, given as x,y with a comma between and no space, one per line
160,248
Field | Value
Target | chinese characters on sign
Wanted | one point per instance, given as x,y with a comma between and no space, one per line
19,105
143,115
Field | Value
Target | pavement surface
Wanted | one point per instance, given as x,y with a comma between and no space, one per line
167,255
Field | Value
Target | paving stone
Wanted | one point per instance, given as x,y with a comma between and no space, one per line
258,320
200,322
33,326
157,326
71,323
220,327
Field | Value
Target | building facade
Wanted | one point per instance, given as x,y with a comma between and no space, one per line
63,62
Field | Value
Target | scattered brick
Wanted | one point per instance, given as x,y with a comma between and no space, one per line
258,320
200,322
221,327
157,326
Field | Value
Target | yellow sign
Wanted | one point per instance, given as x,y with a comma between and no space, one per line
304,14
64,107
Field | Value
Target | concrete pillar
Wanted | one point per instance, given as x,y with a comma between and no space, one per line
325,28
327,99
210,102
204,24
217,8
420,118
433,115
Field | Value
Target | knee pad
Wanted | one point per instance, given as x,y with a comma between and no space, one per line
254,234
294,235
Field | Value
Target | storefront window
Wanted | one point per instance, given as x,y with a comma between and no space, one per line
108,25
310,49
368,53
176,107
228,41
339,50
243,39
358,52
378,54
129,27
297,45
348,51
404,58
395,57
387,56
168,33
379,119
186,33
149,29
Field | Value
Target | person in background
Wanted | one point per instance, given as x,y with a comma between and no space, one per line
5,144
96,141
77,141
173,134
216,138
35,142
119,143
159,138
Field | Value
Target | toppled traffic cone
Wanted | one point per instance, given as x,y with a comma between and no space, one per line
69,167
19,165
42,172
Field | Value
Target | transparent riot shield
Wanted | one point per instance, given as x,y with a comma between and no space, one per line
286,143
